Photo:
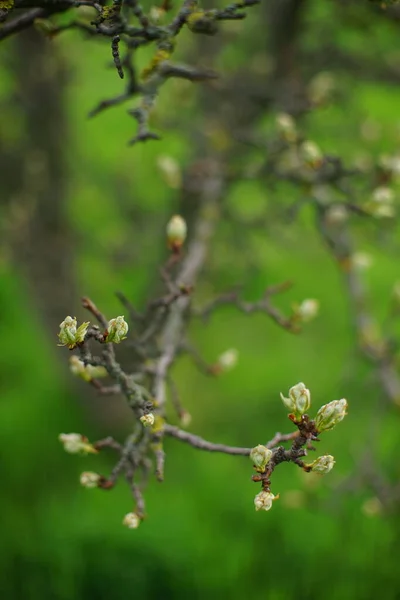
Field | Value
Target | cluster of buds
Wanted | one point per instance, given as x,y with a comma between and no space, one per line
264,500
176,233
286,127
322,464
381,204
89,480
147,420
116,330
75,443
260,457
330,415
311,154
86,372
299,400
306,310
70,335
131,520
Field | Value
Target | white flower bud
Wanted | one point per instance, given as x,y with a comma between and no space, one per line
323,464
311,153
117,330
131,520
75,443
69,334
308,309
170,170
330,415
260,456
228,359
176,232
264,500
286,127
299,400
88,479
147,420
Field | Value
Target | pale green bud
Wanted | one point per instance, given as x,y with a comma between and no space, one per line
264,500
286,127
260,456
323,464
311,153
86,372
176,232
131,520
117,330
330,415
147,420
69,334
299,400
75,443
308,309
361,261
88,479
228,359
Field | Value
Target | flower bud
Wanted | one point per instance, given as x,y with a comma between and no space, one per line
147,420
117,330
311,154
88,479
171,171
75,443
286,127
131,520
308,309
176,232
264,500
260,457
86,372
361,261
228,359
299,400
322,465
70,335
330,415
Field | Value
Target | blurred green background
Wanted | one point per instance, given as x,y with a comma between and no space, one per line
83,214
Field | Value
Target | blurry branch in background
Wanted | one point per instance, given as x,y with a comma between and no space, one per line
159,337
127,27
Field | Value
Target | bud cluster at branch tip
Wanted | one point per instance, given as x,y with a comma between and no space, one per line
264,500
88,479
176,233
70,335
75,443
131,520
260,457
116,330
147,420
299,400
322,464
330,415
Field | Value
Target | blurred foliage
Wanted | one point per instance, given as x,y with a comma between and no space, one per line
202,538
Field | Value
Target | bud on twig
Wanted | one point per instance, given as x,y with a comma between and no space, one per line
87,372
322,465
286,127
75,443
264,500
147,420
131,520
260,456
307,310
88,479
299,400
117,330
70,335
176,233
330,415
311,154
